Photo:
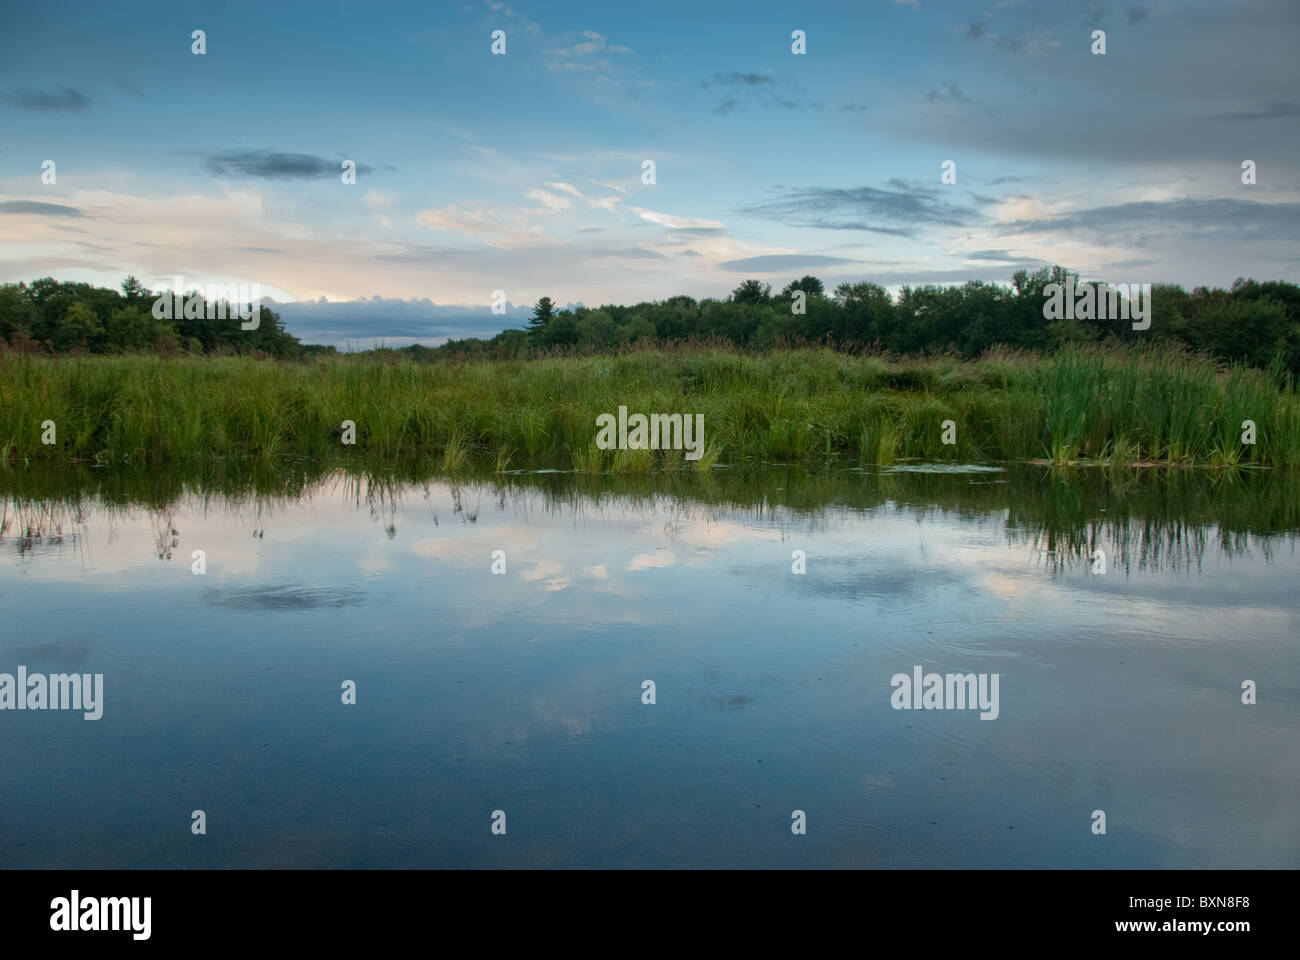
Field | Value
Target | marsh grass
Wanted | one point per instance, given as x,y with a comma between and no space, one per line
1079,405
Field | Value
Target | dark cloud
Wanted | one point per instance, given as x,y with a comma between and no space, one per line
1000,256
362,322
749,88
1279,222
1127,264
781,261
270,165
975,31
948,94
1134,14
894,212
1277,110
737,79
129,87
38,208
66,99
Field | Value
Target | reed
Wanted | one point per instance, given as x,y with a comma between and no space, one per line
1079,405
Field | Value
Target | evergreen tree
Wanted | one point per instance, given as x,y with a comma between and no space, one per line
543,314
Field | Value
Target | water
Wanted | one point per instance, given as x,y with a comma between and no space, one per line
522,692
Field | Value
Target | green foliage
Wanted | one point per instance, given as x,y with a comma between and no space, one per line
1253,323
77,317
1089,404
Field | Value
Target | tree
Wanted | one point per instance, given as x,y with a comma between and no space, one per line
133,289
596,329
752,292
80,328
809,285
543,314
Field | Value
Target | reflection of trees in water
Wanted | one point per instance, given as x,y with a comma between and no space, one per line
1143,518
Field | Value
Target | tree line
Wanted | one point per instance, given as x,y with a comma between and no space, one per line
1254,322
53,317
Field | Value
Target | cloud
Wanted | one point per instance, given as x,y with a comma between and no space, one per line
417,320
998,256
1134,14
675,222
505,10
1278,221
551,203
748,88
65,100
36,208
1277,110
486,224
631,253
949,94
737,79
894,212
566,187
270,165
593,42
781,261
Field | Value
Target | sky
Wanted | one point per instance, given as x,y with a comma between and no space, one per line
524,172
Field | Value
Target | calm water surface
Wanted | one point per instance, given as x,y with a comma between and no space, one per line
522,692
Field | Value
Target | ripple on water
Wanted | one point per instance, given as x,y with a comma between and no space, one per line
283,597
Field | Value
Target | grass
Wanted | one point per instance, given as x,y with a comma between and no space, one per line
1093,405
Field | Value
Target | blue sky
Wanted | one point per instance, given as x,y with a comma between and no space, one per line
522,172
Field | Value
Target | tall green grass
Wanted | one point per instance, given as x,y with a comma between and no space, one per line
793,406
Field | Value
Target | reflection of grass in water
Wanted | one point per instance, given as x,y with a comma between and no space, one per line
795,406
1143,518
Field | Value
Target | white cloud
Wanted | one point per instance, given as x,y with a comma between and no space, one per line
485,224
566,187
551,202
674,222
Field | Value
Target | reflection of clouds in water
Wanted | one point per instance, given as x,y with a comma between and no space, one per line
663,557
549,573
